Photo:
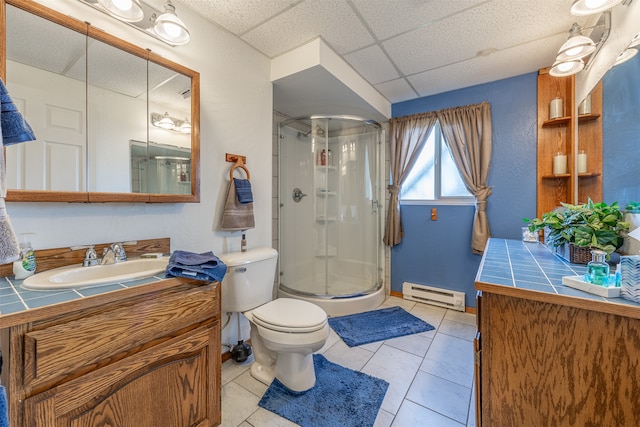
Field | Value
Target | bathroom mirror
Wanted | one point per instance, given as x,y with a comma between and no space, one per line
88,95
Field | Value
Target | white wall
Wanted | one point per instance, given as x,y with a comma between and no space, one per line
236,117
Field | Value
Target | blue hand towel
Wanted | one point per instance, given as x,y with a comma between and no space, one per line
14,127
243,190
4,408
205,266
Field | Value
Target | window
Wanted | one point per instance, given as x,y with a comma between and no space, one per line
435,177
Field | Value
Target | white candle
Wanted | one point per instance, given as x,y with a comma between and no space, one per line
555,108
582,162
559,164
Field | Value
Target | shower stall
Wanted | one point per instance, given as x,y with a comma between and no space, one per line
330,210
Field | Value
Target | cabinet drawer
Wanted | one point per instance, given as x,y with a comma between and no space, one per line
75,347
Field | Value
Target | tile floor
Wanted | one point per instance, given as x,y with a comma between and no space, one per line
430,375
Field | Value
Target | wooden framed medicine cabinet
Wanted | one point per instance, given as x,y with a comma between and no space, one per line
91,99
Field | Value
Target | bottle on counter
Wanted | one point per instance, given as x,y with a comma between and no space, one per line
598,269
26,265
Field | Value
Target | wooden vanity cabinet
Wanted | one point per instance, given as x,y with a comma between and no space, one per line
148,360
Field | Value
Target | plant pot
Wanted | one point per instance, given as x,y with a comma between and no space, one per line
574,254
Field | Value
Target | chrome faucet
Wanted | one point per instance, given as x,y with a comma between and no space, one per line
114,254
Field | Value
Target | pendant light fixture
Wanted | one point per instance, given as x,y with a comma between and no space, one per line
590,7
170,28
125,10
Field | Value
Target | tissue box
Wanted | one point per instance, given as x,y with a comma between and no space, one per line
577,282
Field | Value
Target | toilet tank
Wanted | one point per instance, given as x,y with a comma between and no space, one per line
248,282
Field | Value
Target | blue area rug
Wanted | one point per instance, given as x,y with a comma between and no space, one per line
341,398
377,325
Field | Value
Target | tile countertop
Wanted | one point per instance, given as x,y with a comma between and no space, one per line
15,299
531,270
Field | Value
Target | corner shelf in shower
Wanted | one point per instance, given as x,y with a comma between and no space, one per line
331,252
325,168
325,219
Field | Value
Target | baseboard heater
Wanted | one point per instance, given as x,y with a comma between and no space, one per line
434,296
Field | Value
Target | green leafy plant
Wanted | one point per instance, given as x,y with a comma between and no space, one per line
633,207
596,225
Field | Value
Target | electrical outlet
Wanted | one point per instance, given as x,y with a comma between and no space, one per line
434,214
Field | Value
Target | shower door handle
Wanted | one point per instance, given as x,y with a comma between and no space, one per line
297,195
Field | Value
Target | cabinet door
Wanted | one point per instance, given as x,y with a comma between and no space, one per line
172,384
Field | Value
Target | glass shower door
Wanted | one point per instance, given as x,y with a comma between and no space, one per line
329,234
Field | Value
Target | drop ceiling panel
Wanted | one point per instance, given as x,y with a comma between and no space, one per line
239,16
390,18
372,64
397,90
335,21
500,65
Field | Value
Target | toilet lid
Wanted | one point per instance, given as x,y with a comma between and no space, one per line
290,315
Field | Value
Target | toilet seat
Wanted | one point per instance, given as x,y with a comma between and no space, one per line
290,315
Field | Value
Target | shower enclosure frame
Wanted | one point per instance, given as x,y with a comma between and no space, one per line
329,221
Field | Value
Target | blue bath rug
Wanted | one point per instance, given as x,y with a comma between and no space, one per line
341,398
377,325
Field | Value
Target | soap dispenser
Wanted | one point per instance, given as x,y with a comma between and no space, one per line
598,269
26,265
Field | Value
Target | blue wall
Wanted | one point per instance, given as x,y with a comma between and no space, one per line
621,133
438,253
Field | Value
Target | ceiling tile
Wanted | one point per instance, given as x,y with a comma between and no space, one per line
334,21
372,64
389,18
238,16
397,90
499,25
500,65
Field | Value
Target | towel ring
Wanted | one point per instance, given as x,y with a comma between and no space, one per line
241,166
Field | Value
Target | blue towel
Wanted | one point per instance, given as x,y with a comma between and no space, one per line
243,191
14,127
205,266
4,408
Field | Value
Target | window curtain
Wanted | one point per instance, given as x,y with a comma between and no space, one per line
408,136
467,132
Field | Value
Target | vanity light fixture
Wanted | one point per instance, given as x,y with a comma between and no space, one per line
185,127
164,122
590,7
169,123
162,25
171,28
578,51
125,10
577,46
625,55
566,68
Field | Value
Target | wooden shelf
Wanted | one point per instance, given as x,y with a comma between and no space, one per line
562,121
561,135
567,175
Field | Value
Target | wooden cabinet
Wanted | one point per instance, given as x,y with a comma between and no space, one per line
547,363
150,359
567,134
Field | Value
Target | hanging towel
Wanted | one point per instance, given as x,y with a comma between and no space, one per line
4,408
236,216
243,190
15,128
205,266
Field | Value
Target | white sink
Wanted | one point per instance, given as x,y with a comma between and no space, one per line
77,276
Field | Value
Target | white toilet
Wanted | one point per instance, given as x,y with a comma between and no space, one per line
284,332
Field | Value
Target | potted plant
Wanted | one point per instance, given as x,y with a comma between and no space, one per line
580,228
